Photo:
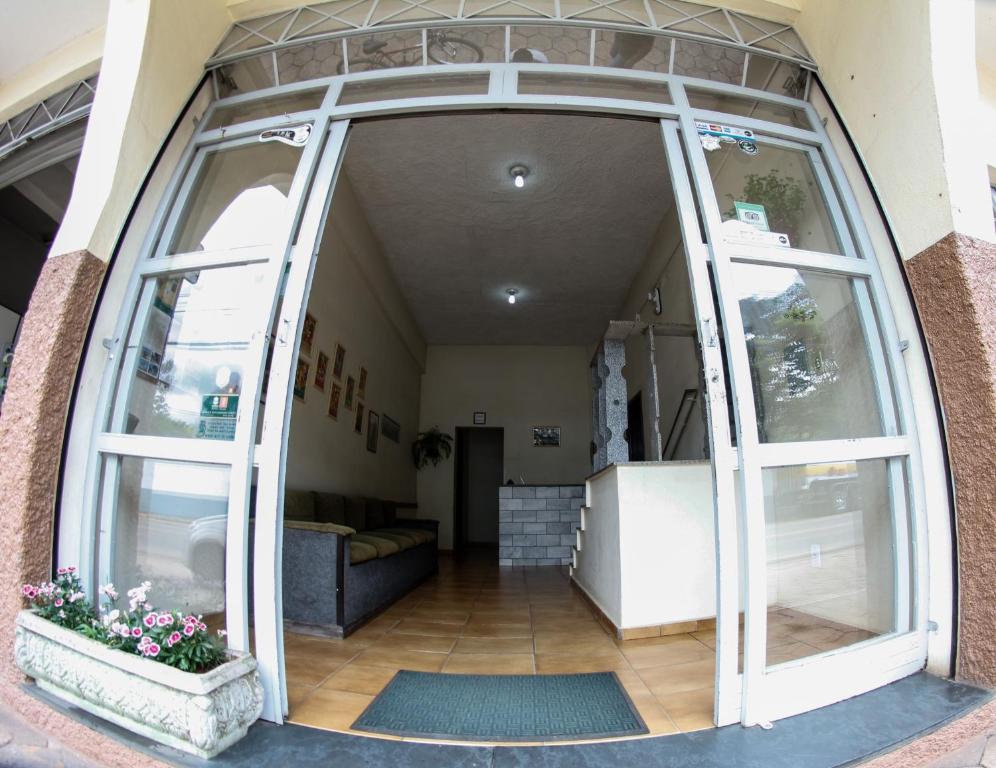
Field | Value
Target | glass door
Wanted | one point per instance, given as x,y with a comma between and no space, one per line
825,443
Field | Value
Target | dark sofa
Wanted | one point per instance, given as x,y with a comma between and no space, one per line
345,559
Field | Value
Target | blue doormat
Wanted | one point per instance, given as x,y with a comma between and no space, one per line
503,707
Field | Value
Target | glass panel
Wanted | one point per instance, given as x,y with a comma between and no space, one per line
466,45
385,51
809,360
776,76
593,87
780,181
630,50
169,528
255,110
759,110
550,45
192,353
414,87
709,62
306,62
832,556
246,75
239,198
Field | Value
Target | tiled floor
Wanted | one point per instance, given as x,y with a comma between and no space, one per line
477,618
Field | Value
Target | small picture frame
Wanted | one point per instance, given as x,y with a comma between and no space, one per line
308,333
358,420
373,431
340,361
390,429
546,437
348,398
480,418
334,400
361,390
301,378
321,370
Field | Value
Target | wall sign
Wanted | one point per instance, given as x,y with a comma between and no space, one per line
218,417
712,135
480,417
753,214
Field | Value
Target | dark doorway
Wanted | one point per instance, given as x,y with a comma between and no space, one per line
634,429
480,459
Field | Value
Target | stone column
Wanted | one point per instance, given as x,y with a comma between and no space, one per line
614,402
601,429
954,284
654,398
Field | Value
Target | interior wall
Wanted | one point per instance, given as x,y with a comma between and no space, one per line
677,362
357,304
518,388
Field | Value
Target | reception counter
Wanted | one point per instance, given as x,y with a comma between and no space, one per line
536,523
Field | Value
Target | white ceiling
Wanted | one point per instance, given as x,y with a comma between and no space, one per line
438,196
30,31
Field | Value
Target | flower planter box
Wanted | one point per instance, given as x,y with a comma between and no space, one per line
202,714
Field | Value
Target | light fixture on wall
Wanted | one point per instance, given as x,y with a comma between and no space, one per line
511,295
518,174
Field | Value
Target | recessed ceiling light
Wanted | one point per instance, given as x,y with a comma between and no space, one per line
511,295
518,174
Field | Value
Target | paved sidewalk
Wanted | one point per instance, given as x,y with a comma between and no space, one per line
978,753
24,746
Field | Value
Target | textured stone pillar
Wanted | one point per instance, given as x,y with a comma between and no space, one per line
598,458
614,401
601,425
654,399
954,284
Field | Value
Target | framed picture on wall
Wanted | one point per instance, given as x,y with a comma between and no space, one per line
358,421
390,429
373,431
308,333
301,378
480,418
321,370
334,400
546,437
340,361
350,392
361,390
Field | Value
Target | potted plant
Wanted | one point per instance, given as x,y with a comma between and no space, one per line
159,673
431,446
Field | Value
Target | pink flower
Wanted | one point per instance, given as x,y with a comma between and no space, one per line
62,571
164,620
151,650
136,632
33,593
189,630
62,614
147,606
124,631
173,639
76,596
58,602
222,633
150,620
108,589
71,569
26,590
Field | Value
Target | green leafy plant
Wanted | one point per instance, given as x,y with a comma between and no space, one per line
169,637
783,199
431,447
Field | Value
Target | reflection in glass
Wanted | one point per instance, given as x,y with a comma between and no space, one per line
239,198
809,359
593,87
191,356
387,50
782,182
832,557
255,110
363,91
169,529
631,50
737,105
550,45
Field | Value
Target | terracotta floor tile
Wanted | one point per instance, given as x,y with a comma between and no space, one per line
439,616
690,710
494,645
404,642
336,710
568,644
309,670
655,716
429,628
676,678
473,629
672,653
570,664
358,678
391,658
296,694
490,664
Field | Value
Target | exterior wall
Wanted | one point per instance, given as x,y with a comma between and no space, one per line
518,387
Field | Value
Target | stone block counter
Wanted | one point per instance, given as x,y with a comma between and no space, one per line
536,523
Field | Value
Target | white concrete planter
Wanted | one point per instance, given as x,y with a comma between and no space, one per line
200,714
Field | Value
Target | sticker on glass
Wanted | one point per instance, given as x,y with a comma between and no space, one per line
753,214
295,137
747,147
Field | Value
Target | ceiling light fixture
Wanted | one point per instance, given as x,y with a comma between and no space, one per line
511,295
518,174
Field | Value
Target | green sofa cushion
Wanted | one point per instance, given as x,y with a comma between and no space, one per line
420,536
403,540
360,552
330,508
299,505
384,547
302,525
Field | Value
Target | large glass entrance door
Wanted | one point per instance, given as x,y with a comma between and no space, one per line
825,447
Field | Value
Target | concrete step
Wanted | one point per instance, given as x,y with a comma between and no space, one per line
584,516
574,557
579,535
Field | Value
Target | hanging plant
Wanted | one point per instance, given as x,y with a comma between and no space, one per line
431,446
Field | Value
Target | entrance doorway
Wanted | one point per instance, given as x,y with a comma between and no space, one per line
479,470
